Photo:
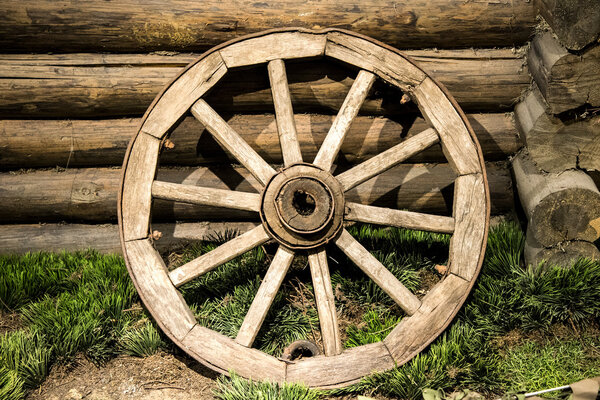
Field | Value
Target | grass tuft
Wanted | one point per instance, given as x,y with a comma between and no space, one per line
27,354
237,388
377,326
11,385
535,366
142,341
459,357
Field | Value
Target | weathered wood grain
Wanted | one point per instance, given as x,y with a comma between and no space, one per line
283,45
378,273
136,198
264,296
221,353
562,254
284,112
225,252
206,196
151,279
185,25
554,144
24,238
438,308
90,194
341,124
454,135
387,159
321,279
470,210
231,140
88,143
104,85
559,206
371,57
399,218
566,80
325,372
182,93
575,22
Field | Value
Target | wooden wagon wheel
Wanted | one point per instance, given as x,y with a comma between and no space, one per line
302,207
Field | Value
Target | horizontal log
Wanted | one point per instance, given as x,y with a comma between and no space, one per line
566,80
88,143
97,85
559,207
187,25
556,145
90,195
20,239
575,22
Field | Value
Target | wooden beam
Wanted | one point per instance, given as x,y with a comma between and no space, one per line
90,194
566,80
88,143
575,22
24,238
556,145
559,207
187,25
108,85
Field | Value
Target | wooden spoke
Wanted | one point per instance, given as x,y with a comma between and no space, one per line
228,251
265,296
206,196
325,300
286,125
232,141
378,273
400,218
354,100
386,160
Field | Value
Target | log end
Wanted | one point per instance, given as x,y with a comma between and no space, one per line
569,214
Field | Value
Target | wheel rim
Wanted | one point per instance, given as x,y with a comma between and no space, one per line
280,210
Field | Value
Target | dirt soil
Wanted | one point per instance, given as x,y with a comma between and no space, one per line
159,377
9,321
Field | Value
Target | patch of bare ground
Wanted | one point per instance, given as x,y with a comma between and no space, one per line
159,377
9,321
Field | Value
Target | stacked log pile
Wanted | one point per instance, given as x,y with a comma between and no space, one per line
67,117
560,124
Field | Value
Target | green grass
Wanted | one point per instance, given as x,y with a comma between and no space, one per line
28,354
236,388
378,323
82,303
11,385
70,304
141,341
534,366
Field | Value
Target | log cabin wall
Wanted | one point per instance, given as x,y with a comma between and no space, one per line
75,79
559,121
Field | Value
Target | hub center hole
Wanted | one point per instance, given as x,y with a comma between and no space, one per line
303,202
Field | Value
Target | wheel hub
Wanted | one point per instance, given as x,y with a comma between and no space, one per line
302,206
